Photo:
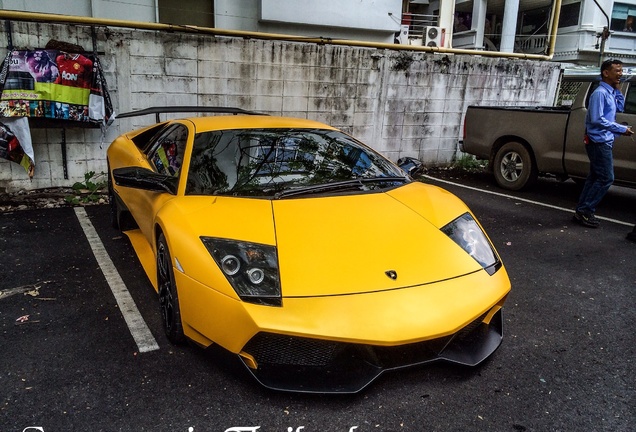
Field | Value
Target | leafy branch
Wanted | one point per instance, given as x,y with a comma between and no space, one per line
89,190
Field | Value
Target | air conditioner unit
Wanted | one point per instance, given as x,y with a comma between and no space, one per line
403,38
434,36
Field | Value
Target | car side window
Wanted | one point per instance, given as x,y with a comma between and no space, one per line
167,154
630,99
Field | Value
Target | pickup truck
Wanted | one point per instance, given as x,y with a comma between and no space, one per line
520,143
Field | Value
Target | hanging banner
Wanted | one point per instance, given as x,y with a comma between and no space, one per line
15,143
54,84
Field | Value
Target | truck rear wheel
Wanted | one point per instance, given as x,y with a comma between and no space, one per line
513,167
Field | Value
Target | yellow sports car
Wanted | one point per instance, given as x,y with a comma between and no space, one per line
313,258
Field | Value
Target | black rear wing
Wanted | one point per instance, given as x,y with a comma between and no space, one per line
186,109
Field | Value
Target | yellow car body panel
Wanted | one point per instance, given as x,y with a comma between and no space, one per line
330,289
435,204
146,254
209,216
416,314
253,122
251,219
328,247
349,256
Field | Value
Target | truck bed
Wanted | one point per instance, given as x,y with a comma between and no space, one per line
543,127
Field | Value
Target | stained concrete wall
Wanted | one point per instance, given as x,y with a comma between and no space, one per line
400,103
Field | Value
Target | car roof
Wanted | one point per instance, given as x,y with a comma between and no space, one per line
240,118
209,123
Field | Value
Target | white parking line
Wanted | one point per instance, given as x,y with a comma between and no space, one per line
616,221
138,328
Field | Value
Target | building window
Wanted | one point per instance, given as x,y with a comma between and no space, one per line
623,17
187,12
630,100
534,22
570,15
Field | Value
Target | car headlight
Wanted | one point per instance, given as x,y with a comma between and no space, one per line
251,269
466,233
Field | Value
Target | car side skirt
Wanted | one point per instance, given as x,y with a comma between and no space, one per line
145,254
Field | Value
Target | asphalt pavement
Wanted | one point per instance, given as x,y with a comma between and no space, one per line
69,361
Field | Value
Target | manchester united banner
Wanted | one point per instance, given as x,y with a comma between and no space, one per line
54,84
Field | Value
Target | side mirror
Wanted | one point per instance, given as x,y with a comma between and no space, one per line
410,165
145,179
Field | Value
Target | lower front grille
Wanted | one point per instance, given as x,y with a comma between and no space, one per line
288,350
470,327
275,349
314,365
409,354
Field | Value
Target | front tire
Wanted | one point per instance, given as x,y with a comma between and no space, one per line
513,167
112,202
168,296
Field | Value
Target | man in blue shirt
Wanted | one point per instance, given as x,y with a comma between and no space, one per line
600,130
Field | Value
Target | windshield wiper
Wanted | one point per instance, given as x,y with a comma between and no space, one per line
354,184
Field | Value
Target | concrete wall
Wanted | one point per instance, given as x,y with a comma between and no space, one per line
401,103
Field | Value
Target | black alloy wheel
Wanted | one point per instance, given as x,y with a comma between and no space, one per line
112,202
168,297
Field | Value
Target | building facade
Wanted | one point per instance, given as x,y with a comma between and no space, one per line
368,20
508,26
581,39
581,35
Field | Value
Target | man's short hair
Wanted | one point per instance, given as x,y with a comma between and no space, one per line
607,64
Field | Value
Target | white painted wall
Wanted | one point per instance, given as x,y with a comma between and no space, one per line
358,14
79,7
236,14
132,10
369,20
399,102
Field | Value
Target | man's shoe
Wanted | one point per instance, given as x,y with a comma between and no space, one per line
632,235
586,220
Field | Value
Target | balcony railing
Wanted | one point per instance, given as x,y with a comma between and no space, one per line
417,23
535,44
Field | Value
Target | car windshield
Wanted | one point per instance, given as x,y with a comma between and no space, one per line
285,162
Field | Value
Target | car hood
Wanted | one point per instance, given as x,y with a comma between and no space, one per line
367,243
344,244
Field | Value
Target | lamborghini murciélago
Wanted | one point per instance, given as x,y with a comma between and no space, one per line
311,257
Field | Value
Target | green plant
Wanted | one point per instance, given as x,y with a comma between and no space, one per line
88,191
468,162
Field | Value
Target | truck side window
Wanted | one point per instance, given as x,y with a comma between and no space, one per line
589,92
630,99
